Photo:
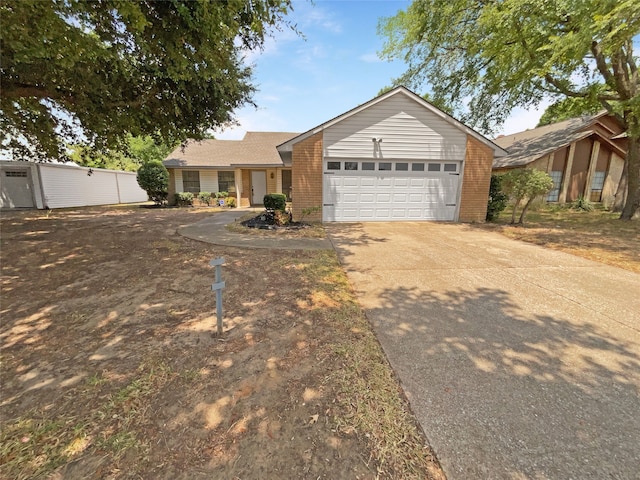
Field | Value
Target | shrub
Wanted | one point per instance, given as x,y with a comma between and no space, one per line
275,201
184,199
153,178
497,199
230,202
205,197
281,218
526,183
583,204
220,197
309,211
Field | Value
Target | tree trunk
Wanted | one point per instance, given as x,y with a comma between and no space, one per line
524,210
621,191
515,207
632,203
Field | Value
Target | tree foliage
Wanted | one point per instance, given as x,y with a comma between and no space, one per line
525,183
137,151
485,58
567,108
153,178
96,71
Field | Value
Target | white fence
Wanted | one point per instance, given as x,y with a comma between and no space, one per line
61,186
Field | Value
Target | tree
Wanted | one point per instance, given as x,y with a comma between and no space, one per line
153,177
94,72
486,57
567,108
525,183
497,198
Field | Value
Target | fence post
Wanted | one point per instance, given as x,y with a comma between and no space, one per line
217,287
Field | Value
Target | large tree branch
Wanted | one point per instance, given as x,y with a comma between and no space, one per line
601,63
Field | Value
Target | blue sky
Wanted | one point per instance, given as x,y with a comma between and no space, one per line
303,82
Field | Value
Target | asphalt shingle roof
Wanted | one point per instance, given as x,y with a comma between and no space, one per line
255,149
527,146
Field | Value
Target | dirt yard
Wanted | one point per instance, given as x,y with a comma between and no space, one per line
110,370
597,235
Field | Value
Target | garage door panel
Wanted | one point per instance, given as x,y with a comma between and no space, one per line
390,195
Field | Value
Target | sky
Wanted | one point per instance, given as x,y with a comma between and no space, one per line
303,82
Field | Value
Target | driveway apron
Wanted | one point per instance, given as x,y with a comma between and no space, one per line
519,361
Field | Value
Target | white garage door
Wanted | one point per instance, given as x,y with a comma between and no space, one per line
15,189
371,190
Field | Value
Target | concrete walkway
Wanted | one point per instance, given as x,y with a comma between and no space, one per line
212,230
520,362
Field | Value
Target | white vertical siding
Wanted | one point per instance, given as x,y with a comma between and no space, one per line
408,131
179,185
67,186
128,189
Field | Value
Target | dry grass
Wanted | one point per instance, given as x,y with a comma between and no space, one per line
370,398
598,235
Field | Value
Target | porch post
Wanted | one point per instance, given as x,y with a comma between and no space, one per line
566,177
593,161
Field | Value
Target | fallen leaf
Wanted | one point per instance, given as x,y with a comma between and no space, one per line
314,419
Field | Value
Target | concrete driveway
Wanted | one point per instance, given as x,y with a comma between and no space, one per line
519,361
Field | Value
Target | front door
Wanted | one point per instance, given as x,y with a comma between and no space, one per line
258,186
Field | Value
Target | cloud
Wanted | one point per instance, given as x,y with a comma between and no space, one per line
521,119
370,58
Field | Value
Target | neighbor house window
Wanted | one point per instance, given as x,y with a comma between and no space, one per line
286,184
554,194
226,182
191,181
597,182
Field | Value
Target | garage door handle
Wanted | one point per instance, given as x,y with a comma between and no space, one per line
450,204
328,204
454,174
329,173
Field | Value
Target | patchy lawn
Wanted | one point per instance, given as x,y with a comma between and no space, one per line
597,235
110,370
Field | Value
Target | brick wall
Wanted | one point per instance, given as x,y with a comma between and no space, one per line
475,182
307,177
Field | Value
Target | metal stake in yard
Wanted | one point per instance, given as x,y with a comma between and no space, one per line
217,287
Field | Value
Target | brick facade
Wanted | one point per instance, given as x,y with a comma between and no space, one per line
475,181
307,177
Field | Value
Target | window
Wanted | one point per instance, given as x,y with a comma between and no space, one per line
554,194
402,167
15,173
368,166
191,181
384,166
350,165
434,167
597,182
450,167
417,167
226,182
333,165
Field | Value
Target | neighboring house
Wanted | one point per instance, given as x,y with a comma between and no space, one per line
584,156
396,157
55,185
